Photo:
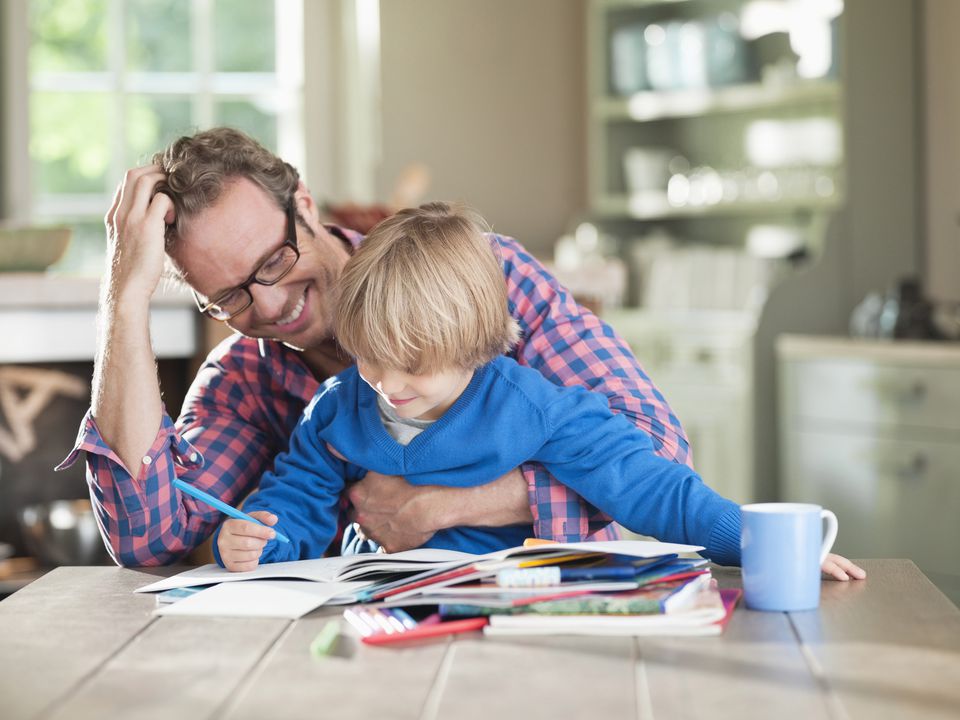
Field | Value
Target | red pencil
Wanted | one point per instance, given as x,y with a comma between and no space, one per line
450,627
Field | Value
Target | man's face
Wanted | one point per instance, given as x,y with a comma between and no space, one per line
221,246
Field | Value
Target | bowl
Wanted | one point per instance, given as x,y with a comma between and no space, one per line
32,249
63,532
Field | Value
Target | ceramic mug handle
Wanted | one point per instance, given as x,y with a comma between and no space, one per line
830,535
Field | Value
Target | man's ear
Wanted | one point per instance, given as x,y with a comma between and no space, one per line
306,206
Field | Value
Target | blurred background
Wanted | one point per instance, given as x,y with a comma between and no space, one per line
760,195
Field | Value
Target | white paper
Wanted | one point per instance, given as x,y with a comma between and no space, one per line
320,569
353,567
264,598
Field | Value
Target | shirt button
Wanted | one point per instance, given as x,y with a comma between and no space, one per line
146,460
194,457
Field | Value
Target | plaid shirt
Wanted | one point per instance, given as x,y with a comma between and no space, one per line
248,396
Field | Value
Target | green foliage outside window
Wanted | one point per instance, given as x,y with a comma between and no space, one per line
74,125
68,35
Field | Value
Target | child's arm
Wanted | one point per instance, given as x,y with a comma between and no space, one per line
569,345
612,465
302,491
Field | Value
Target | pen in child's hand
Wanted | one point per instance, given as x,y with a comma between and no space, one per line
222,506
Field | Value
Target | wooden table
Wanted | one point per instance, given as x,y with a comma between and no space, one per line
78,644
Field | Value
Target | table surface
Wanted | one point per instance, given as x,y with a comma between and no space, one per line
79,644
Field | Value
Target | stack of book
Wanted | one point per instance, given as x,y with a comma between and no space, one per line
615,588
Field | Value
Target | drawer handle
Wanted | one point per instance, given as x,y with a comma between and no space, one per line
915,470
916,392
894,391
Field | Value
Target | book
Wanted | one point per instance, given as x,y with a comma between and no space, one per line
708,614
390,571
645,553
668,597
474,597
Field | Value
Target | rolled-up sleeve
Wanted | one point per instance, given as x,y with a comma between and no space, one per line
569,345
221,443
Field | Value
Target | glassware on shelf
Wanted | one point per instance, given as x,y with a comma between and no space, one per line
628,62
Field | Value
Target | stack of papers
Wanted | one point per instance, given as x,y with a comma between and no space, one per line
617,587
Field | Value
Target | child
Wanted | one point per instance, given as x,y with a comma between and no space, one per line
432,398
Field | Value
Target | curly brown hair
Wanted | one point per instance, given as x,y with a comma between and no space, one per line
198,167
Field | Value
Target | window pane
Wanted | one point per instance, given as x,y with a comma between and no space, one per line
68,35
243,35
153,121
245,115
69,141
158,35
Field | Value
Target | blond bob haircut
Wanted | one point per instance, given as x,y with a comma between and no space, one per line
425,293
199,166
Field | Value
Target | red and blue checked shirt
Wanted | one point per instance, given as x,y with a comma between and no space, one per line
248,396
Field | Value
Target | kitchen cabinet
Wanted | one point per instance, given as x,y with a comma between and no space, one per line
810,172
871,430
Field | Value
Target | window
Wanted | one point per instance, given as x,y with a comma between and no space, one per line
111,81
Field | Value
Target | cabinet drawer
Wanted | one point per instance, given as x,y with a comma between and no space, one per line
868,393
893,498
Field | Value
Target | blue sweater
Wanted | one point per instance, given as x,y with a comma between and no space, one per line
508,415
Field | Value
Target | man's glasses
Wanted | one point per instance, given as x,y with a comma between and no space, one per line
234,301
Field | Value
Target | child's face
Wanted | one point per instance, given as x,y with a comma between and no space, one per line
425,397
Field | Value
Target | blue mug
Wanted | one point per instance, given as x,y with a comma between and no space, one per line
782,548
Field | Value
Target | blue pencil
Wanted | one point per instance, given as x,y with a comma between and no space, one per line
221,506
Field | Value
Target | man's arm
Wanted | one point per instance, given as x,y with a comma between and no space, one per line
133,450
222,443
569,345
126,393
400,516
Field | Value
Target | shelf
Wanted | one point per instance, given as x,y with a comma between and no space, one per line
650,207
627,4
652,105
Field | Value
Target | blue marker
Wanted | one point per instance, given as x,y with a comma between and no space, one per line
221,506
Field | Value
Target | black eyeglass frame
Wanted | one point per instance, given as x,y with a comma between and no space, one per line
290,240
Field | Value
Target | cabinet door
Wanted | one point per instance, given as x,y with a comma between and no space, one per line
893,498
872,394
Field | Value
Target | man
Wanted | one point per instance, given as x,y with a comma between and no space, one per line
244,233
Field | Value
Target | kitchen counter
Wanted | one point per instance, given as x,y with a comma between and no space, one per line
52,318
79,644
836,346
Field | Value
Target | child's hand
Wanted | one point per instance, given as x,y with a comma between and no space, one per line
240,541
837,567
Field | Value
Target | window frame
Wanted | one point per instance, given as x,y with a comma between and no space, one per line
202,86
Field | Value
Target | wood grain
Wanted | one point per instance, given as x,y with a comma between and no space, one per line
887,646
79,644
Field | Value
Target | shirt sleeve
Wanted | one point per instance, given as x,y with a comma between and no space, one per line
303,490
221,444
569,345
608,462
